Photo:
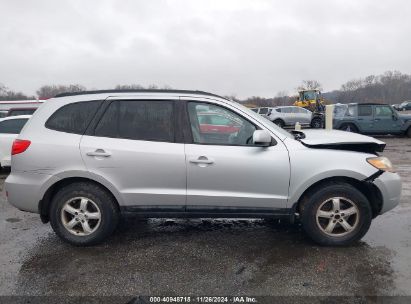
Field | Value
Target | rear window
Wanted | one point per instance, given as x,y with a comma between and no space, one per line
12,126
21,112
151,120
74,117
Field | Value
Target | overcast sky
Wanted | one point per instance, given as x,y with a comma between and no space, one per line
227,47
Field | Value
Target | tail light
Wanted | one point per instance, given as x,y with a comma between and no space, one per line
19,146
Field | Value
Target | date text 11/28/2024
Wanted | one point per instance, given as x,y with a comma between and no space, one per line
203,299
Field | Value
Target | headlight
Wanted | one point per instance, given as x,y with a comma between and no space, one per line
381,163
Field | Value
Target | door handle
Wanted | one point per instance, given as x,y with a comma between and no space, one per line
99,153
201,160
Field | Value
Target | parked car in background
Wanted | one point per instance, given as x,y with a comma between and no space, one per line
10,127
373,118
3,113
263,111
20,111
289,115
217,126
396,106
85,158
405,106
13,104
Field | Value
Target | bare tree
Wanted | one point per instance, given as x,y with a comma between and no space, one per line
129,87
49,91
310,85
7,94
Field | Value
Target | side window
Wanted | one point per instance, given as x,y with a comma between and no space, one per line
12,126
255,110
286,110
236,130
279,110
383,111
151,120
73,117
263,110
364,110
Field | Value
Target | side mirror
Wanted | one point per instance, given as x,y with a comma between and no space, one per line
394,117
261,138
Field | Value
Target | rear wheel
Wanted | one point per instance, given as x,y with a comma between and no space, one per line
349,128
83,214
336,214
279,123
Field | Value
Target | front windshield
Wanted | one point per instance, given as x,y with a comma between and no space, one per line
309,95
266,122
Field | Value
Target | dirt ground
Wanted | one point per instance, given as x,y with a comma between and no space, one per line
210,257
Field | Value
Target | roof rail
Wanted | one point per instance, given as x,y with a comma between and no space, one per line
137,91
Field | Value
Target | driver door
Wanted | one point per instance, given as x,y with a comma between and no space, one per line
229,172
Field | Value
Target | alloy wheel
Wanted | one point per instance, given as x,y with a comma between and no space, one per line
80,216
337,216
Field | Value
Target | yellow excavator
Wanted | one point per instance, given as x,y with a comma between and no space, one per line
310,99
313,101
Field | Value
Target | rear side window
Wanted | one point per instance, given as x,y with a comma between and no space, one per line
12,126
364,111
151,120
263,110
74,117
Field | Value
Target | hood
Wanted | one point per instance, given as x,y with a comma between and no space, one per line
405,117
341,140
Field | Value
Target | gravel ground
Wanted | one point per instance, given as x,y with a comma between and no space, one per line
210,257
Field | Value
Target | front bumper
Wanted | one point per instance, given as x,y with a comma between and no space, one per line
390,187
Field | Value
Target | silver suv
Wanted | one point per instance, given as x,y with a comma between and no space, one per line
290,115
82,159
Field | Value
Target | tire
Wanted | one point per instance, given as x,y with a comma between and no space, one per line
408,132
349,127
279,122
319,203
100,213
316,123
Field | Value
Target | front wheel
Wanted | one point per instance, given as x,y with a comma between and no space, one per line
279,123
336,214
83,214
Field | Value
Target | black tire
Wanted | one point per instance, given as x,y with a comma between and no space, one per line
279,122
408,132
311,203
349,127
317,123
108,208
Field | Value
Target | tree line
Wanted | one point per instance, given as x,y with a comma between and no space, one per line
390,87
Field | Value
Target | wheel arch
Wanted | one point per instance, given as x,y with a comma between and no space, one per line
279,119
350,122
370,191
45,202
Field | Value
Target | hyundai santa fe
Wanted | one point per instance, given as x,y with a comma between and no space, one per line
85,158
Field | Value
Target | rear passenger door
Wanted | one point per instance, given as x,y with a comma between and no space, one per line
134,146
365,118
